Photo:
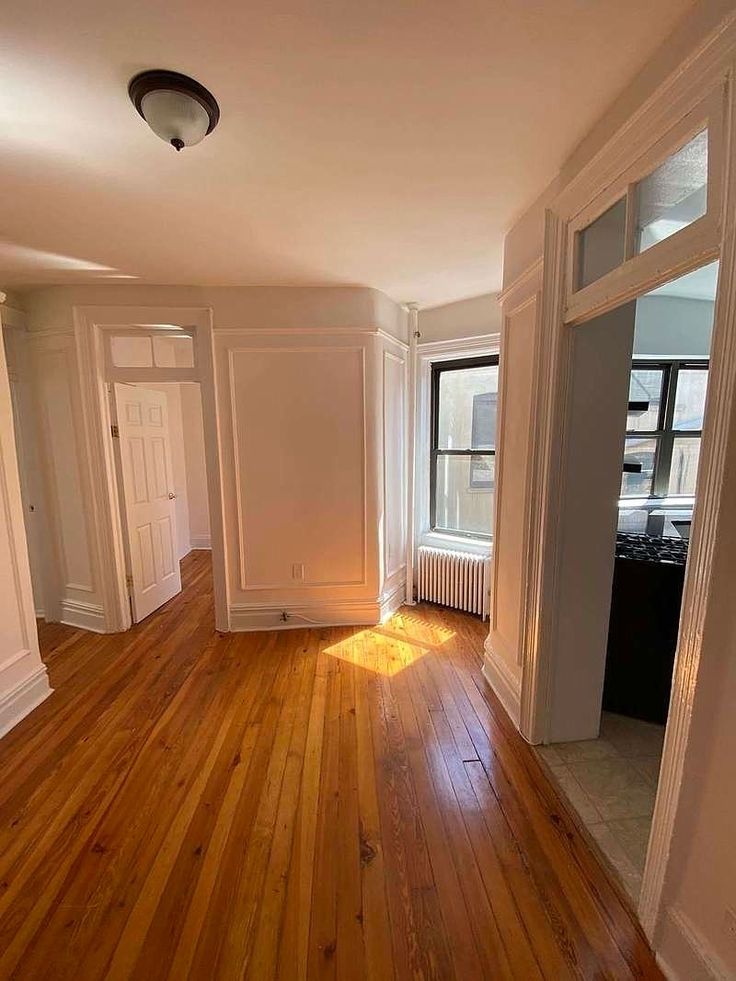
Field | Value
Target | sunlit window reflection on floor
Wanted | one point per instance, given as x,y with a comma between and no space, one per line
389,648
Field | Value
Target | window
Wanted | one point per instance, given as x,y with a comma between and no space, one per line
663,429
463,446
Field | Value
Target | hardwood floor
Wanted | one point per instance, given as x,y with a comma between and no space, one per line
325,803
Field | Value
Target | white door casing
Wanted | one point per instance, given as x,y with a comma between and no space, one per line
147,489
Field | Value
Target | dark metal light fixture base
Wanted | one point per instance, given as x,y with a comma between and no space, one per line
161,80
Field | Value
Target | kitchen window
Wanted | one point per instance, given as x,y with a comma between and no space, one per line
663,429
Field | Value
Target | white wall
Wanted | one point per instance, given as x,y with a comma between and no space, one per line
466,318
74,594
196,472
301,421
25,421
700,886
392,462
302,429
257,308
693,937
504,646
23,678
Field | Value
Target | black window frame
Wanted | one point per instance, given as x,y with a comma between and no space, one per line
665,434
438,369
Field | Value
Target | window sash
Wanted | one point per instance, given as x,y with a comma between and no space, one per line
438,368
665,434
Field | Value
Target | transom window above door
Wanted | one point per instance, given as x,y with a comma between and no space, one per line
144,350
150,353
670,198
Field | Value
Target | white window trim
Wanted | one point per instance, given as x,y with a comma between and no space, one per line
427,354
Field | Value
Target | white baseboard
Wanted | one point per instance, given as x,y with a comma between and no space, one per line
684,955
352,613
200,541
392,600
88,616
503,683
23,698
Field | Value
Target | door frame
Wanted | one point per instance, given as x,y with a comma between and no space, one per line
91,324
702,89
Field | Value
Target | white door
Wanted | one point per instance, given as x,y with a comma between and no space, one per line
149,522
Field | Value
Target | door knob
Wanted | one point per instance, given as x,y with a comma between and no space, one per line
172,497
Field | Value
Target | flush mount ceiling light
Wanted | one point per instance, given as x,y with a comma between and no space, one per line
178,109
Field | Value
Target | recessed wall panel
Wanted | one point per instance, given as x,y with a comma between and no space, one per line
299,443
509,545
60,421
394,436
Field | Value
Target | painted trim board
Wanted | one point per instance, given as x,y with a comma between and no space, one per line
16,704
87,616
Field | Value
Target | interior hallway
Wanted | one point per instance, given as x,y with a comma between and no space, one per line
309,803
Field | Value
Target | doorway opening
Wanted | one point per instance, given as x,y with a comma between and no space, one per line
162,485
641,420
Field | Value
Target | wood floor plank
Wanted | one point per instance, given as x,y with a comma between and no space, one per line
323,924
339,803
447,756
293,951
415,909
379,963
476,947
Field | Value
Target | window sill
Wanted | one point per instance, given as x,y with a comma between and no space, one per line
655,503
456,543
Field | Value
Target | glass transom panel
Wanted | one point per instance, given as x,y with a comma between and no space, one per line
674,195
602,245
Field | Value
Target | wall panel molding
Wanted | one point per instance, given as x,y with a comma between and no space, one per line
511,540
394,470
246,583
63,472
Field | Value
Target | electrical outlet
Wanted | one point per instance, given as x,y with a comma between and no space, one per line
729,923
297,571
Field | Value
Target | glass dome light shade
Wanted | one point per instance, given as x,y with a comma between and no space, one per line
175,116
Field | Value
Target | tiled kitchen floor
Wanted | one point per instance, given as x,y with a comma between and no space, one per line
611,783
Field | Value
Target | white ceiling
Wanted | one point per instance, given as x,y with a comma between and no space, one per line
388,143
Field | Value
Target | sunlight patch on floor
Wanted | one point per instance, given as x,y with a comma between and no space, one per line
390,648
